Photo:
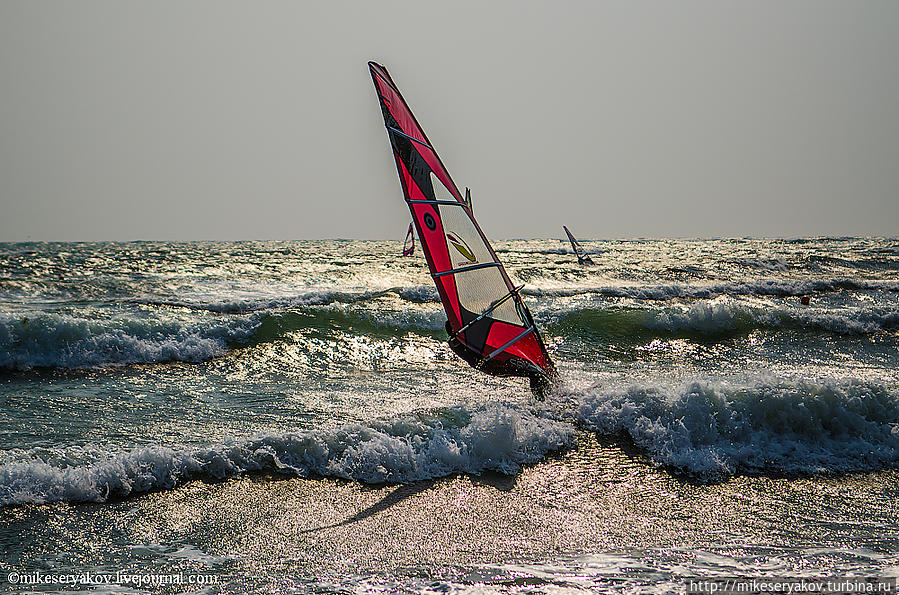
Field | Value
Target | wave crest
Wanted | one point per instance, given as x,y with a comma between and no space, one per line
768,287
63,341
725,317
407,448
715,430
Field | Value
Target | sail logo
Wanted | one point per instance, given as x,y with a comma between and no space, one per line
461,247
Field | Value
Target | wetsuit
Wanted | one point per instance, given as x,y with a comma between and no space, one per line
540,383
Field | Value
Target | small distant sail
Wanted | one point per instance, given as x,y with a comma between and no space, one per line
489,324
582,256
409,243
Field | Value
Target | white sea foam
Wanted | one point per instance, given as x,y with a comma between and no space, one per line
71,342
65,341
704,317
717,429
419,294
766,287
710,430
726,314
401,449
768,264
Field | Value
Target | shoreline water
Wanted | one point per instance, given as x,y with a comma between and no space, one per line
240,406
594,517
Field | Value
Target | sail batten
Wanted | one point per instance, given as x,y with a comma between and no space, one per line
490,309
449,203
489,324
412,138
473,267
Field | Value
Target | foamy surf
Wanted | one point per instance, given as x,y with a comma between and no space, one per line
669,291
714,430
63,341
245,305
73,342
707,430
727,316
400,449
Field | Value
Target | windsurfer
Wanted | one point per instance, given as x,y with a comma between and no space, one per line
444,214
540,383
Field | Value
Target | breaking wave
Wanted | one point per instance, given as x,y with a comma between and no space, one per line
721,318
70,342
716,430
403,449
766,264
64,341
770,287
706,430
244,306
50,340
420,294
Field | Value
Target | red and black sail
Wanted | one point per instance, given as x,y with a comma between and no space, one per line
488,322
409,243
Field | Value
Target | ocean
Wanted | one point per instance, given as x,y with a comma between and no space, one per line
276,417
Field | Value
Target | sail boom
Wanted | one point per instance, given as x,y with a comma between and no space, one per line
502,348
490,309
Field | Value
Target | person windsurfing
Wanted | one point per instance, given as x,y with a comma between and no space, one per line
540,383
488,323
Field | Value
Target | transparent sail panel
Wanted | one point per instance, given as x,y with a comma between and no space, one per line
479,288
440,191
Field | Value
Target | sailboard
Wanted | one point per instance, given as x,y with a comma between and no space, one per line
489,325
409,242
582,256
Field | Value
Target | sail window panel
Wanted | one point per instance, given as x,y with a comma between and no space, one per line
463,242
478,291
441,192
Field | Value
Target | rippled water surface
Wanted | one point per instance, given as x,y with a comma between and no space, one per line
288,416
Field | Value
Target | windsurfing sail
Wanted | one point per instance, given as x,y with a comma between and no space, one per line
409,242
582,256
489,324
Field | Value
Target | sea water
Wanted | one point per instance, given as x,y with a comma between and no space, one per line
287,417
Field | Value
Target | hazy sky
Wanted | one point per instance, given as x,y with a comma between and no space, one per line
258,120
